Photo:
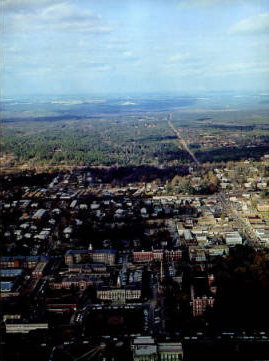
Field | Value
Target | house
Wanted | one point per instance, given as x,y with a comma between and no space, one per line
263,207
218,250
263,235
254,220
39,214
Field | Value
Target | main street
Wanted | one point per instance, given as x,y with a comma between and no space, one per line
239,221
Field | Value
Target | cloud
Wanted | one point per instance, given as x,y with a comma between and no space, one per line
178,57
197,3
25,5
212,3
127,54
210,70
241,68
59,16
258,24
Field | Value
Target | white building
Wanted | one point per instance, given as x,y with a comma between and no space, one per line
233,238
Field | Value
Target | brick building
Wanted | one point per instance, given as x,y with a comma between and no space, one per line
119,294
199,304
82,281
105,256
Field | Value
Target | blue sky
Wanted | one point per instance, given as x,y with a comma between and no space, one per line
133,46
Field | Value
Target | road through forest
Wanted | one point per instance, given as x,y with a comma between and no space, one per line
181,140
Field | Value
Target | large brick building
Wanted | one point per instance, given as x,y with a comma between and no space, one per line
157,255
73,256
105,256
119,294
199,304
82,281
28,262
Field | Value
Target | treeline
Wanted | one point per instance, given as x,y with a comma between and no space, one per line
120,142
242,298
95,144
143,173
232,154
42,119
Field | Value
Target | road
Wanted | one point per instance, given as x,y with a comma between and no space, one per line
239,221
181,140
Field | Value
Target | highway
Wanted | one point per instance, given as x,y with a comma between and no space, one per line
181,140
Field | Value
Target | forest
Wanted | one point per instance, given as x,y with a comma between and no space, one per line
123,139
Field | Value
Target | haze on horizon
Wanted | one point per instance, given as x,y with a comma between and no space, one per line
130,46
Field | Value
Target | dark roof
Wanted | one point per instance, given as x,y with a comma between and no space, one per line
113,251
11,272
77,251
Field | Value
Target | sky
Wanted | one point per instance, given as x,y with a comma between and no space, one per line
133,46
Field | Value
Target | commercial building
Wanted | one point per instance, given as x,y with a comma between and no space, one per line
147,349
233,238
24,327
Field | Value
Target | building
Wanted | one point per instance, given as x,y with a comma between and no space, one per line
218,250
263,207
173,255
120,295
197,254
207,219
254,220
61,307
144,349
40,269
28,262
39,214
148,256
73,256
11,273
143,256
233,238
199,304
105,256
263,235
6,286
170,351
87,268
82,281
9,262
24,327
147,349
